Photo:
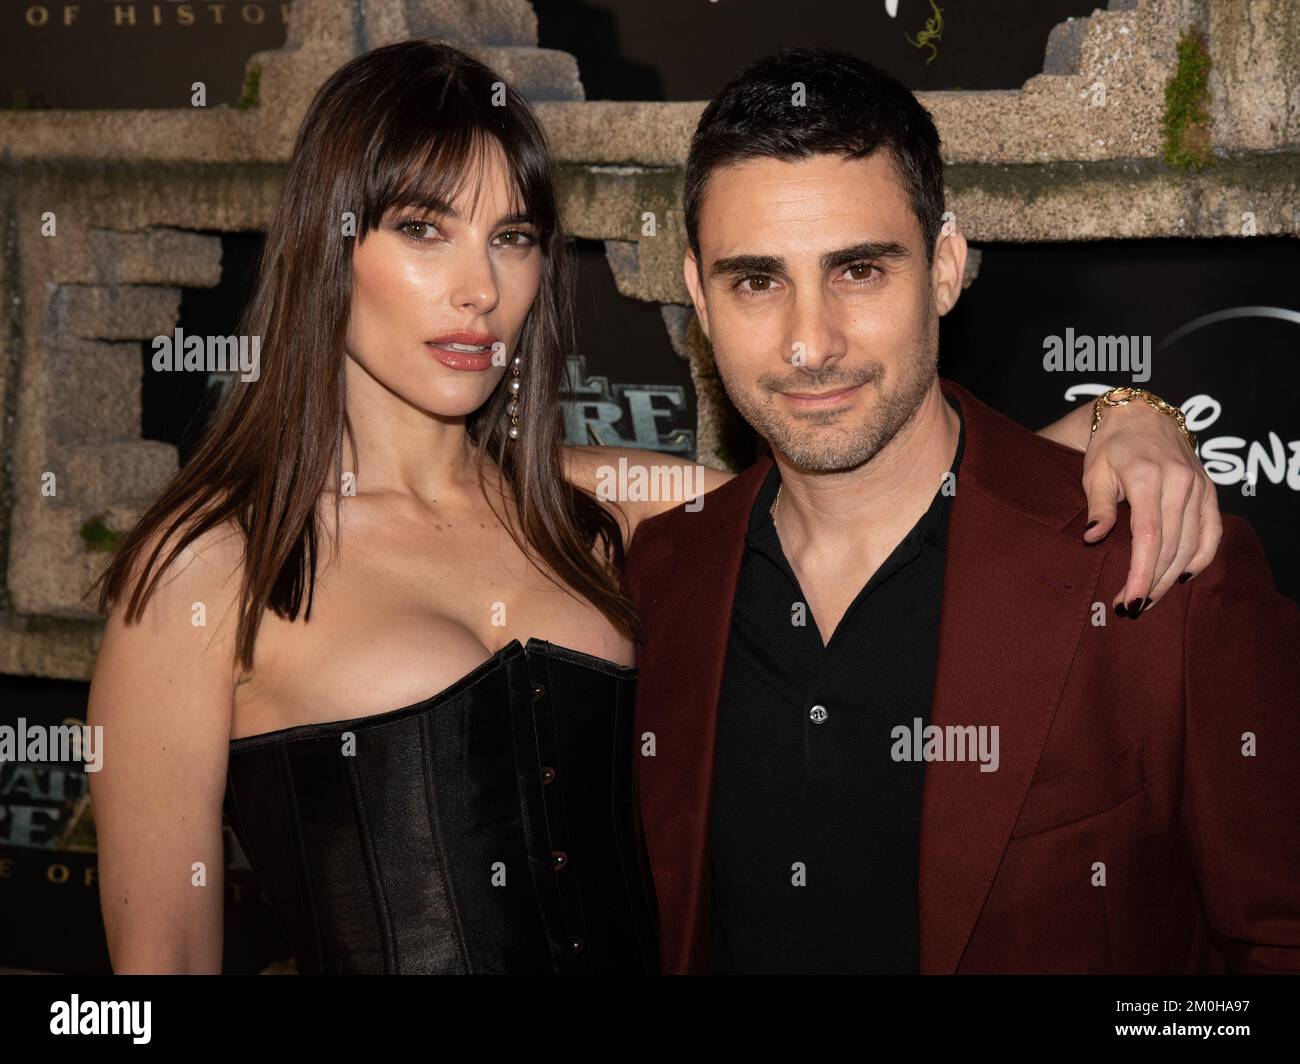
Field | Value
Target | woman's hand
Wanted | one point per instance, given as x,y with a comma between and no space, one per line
1139,455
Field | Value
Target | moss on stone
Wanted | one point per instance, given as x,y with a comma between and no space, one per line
252,86
1029,182
96,535
1186,123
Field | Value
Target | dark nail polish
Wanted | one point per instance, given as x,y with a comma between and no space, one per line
1184,578
1120,611
1090,525
1134,608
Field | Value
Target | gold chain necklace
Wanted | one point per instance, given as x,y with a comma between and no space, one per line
772,511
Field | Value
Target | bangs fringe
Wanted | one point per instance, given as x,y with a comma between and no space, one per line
414,171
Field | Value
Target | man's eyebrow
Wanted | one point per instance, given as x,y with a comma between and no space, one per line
745,264
869,250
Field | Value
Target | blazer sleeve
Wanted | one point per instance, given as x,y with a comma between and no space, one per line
1241,784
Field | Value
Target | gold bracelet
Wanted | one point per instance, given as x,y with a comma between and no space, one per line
1124,396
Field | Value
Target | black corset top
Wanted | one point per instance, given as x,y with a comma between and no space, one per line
489,828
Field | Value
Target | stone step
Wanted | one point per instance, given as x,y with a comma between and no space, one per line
98,475
156,256
114,312
50,568
468,22
1064,47
51,564
540,75
98,389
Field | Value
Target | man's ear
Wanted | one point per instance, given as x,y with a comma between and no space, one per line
691,275
949,267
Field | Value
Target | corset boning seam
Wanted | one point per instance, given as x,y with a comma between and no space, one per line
569,894
284,772
387,937
432,805
616,805
525,809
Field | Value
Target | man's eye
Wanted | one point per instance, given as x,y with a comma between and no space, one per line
860,272
757,282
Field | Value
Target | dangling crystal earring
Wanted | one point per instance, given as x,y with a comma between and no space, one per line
513,408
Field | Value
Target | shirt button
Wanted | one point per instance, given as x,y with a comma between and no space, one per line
559,859
548,774
818,714
538,691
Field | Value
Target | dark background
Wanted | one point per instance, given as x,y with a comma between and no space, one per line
626,49
668,50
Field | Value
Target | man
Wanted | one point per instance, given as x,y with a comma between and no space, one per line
890,721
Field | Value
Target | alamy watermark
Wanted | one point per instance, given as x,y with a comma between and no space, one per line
78,1017
52,743
952,742
1098,354
656,483
208,354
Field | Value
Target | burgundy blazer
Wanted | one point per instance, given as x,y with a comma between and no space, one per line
1121,744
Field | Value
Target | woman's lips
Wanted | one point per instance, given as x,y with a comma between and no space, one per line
458,355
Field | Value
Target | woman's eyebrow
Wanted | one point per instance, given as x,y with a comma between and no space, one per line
437,206
433,205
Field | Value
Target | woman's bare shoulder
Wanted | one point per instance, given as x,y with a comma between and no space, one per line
198,587
212,557
172,667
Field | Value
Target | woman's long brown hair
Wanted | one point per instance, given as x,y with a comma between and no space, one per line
401,126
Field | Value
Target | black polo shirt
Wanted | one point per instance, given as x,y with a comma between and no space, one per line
815,829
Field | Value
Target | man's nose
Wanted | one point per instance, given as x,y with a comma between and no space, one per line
815,340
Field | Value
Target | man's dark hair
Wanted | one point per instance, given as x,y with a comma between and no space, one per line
850,109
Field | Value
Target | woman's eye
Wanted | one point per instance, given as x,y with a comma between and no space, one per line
521,239
418,231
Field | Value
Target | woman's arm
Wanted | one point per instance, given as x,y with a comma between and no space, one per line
162,692
1073,430
1137,456
1141,457
614,474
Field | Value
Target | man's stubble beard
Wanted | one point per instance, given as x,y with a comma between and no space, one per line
813,450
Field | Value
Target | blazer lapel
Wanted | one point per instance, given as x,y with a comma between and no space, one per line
678,692
1008,633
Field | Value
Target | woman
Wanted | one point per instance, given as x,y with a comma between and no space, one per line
397,478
